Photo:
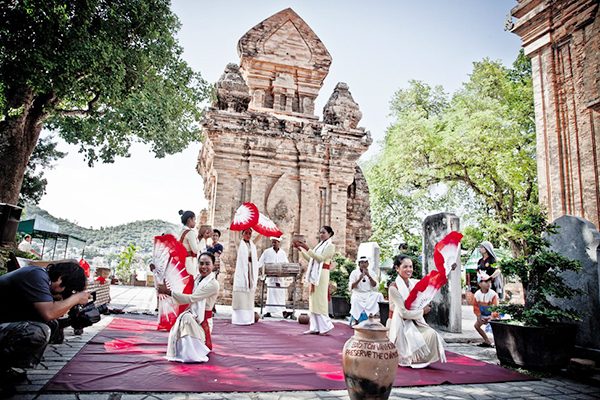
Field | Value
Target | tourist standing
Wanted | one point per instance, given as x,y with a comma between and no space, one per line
215,248
317,276
418,344
486,265
190,339
204,235
244,281
189,239
275,291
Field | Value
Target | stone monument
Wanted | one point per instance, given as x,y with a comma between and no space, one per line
562,38
264,143
578,239
446,311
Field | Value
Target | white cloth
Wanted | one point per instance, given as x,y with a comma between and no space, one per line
202,246
275,295
418,344
320,323
246,273
244,284
364,297
190,242
187,340
25,246
313,274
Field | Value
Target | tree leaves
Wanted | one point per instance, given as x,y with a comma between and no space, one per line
113,69
480,143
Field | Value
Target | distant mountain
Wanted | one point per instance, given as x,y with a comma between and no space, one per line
111,239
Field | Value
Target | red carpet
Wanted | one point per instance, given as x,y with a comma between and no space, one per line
128,355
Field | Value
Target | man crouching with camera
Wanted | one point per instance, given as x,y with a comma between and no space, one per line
29,311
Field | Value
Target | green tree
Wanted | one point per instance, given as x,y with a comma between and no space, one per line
34,184
482,141
101,73
125,264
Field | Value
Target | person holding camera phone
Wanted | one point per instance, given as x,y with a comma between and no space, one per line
29,311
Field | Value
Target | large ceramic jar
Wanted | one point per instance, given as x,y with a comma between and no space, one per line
370,362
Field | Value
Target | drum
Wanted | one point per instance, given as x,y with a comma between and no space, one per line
282,269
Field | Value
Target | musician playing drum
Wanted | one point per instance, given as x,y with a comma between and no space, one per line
275,290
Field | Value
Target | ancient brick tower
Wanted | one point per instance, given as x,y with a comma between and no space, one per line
264,144
562,38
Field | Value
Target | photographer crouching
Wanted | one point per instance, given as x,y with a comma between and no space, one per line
32,299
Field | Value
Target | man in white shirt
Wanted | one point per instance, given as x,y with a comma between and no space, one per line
365,297
276,292
25,246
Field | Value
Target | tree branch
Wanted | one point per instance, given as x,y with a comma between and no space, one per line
80,112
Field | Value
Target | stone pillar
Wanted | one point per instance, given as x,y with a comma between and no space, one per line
578,239
446,309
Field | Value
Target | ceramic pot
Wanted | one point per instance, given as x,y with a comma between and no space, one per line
370,362
303,319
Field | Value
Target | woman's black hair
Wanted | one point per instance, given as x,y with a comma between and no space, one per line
399,258
206,253
72,276
218,232
186,215
329,230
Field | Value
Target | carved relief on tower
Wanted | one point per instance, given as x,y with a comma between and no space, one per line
283,203
284,63
286,45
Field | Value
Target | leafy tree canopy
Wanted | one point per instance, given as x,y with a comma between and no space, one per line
480,142
101,73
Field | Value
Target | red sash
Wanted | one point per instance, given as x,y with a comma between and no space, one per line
207,314
183,235
328,266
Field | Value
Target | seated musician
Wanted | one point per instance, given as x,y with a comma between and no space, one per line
276,292
190,339
365,297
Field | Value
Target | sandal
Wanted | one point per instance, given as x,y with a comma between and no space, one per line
484,344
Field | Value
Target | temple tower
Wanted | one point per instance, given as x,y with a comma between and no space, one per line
264,143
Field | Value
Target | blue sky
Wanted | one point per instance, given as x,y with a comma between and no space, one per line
376,46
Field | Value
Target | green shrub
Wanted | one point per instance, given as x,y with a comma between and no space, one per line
540,271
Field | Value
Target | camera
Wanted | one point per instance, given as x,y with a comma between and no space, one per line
83,316
78,317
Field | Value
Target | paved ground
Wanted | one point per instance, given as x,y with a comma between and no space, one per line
142,300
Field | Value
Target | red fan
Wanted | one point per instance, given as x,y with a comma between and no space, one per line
85,266
266,227
246,216
445,254
168,257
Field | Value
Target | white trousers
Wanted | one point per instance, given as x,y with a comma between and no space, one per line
242,317
320,323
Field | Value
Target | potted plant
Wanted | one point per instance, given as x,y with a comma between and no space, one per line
539,334
340,297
